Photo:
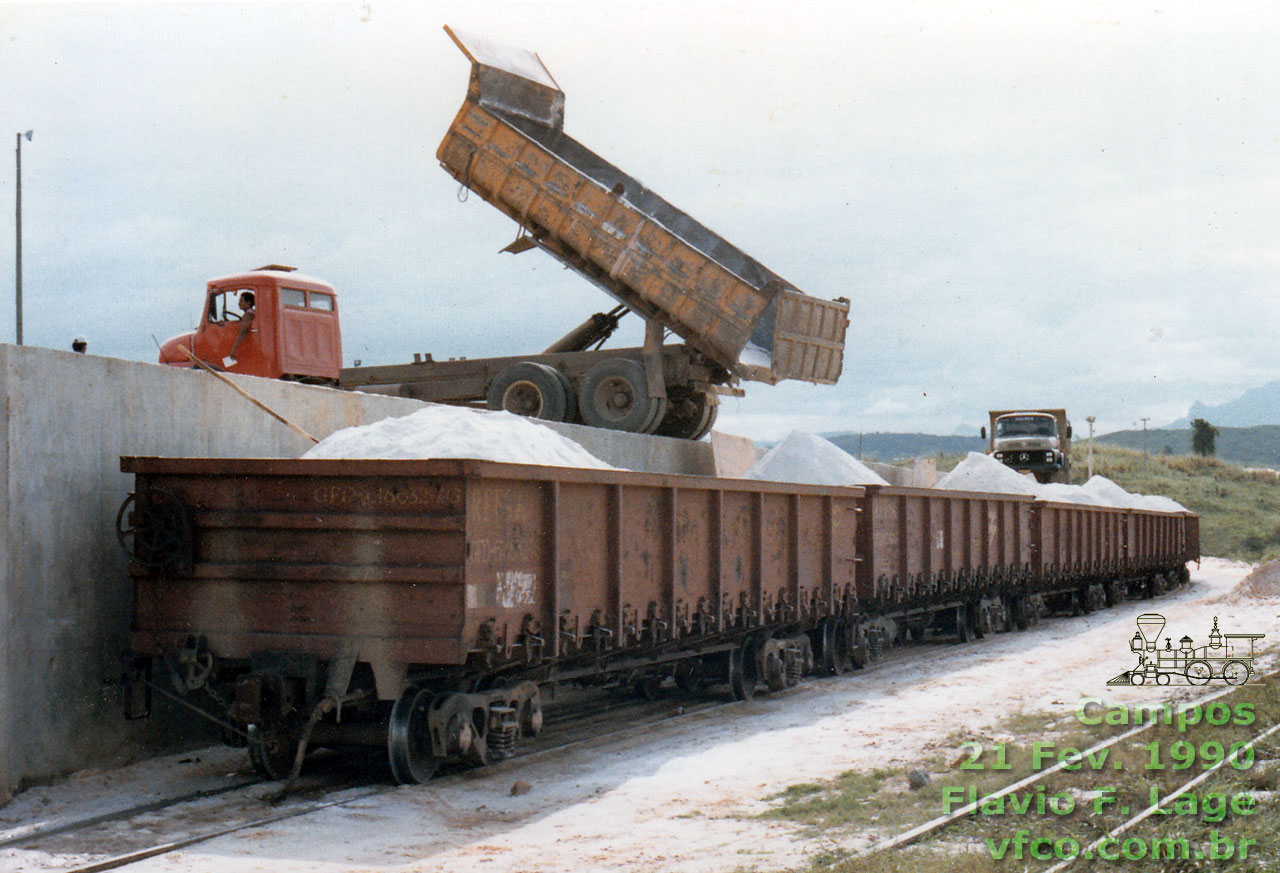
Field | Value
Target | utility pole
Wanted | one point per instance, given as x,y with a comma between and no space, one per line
17,261
1144,445
1091,419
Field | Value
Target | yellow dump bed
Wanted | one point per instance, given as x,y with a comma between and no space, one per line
508,144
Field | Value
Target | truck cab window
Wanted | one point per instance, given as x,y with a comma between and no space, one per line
323,302
293,297
1026,426
224,304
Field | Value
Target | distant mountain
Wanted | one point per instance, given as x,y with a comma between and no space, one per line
1256,406
892,446
1257,446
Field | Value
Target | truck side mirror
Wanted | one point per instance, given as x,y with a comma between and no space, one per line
1068,431
983,432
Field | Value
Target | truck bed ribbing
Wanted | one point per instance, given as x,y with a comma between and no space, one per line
507,144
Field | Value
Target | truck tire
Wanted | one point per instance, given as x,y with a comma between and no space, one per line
615,395
690,414
528,388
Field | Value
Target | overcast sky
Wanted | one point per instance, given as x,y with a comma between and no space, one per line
1029,204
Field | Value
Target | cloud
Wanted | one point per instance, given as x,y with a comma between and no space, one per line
1027,204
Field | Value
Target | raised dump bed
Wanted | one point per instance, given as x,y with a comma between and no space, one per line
508,144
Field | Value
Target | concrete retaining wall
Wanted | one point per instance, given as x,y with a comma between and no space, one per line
65,595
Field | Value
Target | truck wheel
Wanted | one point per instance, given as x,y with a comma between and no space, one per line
689,415
531,389
615,395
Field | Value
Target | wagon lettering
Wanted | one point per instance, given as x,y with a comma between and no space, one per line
515,589
354,495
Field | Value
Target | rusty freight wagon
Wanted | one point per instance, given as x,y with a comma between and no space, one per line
954,560
425,600
1088,557
737,318
968,563
419,605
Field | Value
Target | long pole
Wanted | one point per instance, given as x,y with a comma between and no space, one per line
1144,445
17,263
245,394
1091,419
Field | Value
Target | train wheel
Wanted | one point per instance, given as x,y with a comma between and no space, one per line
1236,672
774,669
980,621
742,672
272,751
835,647
409,738
1016,609
1199,672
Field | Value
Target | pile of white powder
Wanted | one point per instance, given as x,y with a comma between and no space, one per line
808,459
979,472
804,458
457,432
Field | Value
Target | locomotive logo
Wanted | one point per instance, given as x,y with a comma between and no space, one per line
1228,658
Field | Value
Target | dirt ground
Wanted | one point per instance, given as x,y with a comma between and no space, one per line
680,796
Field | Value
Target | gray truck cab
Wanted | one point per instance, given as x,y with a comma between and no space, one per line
1036,441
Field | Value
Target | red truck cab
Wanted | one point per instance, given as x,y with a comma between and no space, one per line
271,322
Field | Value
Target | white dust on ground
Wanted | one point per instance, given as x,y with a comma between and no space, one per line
1263,582
680,796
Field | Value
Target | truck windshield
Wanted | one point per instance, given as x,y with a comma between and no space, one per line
1026,426
229,304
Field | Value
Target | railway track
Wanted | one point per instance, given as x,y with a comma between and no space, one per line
600,718
581,719
573,719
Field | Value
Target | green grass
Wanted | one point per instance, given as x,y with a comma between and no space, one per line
1239,510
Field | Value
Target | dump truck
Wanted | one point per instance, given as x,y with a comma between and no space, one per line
738,320
1036,441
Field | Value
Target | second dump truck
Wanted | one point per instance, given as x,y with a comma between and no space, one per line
738,320
1036,441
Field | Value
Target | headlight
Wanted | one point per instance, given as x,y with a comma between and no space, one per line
1048,456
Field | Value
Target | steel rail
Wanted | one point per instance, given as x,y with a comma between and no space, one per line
570,713
139,855
115,815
